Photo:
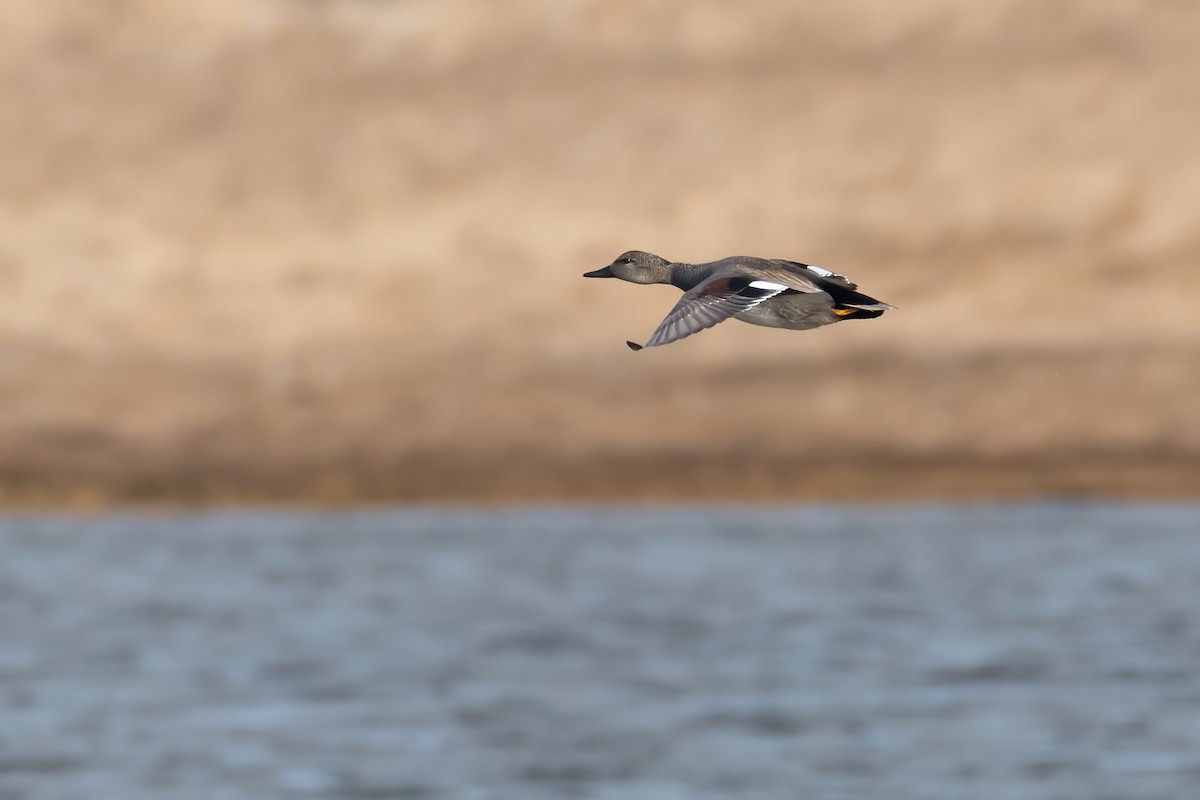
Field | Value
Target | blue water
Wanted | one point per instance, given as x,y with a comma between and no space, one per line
1031,651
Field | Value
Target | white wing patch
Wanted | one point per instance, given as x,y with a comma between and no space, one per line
824,273
768,285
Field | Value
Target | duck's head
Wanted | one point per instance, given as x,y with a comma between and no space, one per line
635,267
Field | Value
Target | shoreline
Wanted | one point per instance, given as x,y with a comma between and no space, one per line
631,478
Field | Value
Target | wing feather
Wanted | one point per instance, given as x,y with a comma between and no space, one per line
710,303
821,273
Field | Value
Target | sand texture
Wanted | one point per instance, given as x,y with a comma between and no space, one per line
331,250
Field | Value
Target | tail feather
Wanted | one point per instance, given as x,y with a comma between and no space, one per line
878,305
848,298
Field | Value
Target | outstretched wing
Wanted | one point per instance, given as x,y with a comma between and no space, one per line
711,302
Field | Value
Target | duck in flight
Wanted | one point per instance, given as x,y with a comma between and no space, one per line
762,291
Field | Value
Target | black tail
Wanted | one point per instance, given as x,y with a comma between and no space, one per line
843,296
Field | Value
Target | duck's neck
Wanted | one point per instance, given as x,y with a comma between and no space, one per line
685,276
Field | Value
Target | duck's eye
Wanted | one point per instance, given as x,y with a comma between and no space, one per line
624,260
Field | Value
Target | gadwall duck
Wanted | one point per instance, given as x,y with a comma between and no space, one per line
762,291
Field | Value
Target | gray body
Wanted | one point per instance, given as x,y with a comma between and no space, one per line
773,293
797,311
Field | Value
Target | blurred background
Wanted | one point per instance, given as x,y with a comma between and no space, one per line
315,256
331,250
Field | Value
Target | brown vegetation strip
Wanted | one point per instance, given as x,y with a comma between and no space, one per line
517,477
